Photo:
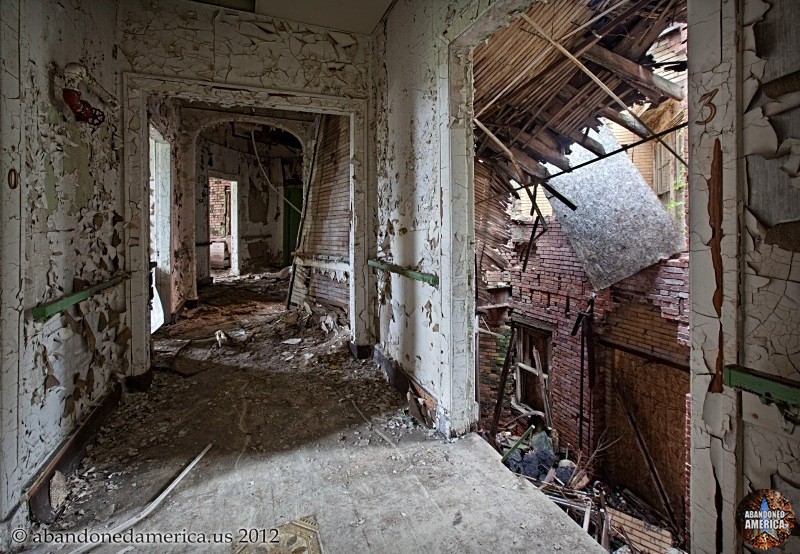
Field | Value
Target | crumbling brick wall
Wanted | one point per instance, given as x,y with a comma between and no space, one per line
647,312
217,208
552,291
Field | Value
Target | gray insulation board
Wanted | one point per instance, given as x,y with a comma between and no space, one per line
620,226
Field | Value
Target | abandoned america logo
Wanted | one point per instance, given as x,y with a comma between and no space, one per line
765,519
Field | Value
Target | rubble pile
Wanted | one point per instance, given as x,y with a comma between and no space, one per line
619,520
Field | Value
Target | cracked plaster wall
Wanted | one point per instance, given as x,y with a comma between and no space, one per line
745,293
63,229
177,38
422,98
260,209
178,48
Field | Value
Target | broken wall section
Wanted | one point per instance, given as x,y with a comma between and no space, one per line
72,233
322,257
637,314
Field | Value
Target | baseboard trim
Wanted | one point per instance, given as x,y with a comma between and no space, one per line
65,459
402,381
361,351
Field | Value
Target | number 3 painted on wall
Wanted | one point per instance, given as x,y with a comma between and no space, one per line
706,101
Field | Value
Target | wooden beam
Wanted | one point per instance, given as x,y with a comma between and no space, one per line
534,63
502,146
643,79
624,120
642,34
539,31
528,165
56,306
648,460
501,389
650,357
540,149
583,139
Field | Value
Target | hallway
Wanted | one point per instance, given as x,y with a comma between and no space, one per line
290,440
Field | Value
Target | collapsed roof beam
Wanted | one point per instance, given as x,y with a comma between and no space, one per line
502,146
600,83
651,85
540,148
644,33
583,139
595,160
546,50
624,120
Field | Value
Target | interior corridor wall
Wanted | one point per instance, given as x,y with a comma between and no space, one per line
64,228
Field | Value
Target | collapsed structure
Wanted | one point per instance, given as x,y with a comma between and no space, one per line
404,165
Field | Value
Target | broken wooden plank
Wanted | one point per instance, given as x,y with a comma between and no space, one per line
584,140
535,62
599,83
501,389
48,309
782,85
491,333
648,459
540,148
544,384
517,444
608,155
634,73
502,146
624,120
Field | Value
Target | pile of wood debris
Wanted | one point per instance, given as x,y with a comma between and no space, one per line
618,520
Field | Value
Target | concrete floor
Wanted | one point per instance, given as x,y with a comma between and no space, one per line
289,442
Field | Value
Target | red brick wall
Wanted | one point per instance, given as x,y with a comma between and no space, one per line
552,291
216,207
648,312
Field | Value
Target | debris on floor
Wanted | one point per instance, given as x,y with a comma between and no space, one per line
243,362
618,520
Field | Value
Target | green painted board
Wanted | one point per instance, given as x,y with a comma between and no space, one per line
56,306
769,387
411,274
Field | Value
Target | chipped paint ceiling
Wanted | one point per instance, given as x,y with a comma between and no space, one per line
354,16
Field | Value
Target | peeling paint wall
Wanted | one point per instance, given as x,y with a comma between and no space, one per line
179,48
66,226
260,209
422,86
411,88
226,46
746,298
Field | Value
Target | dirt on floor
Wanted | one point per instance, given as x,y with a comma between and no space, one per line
246,374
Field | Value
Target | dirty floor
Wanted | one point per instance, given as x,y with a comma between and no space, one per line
299,430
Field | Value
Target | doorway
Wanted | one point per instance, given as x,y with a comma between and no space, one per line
293,196
223,226
160,188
